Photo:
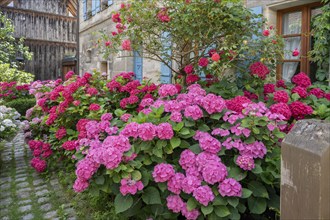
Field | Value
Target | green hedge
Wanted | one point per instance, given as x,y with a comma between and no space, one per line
21,105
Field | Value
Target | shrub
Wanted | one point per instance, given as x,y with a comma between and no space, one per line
21,105
140,149
9,124
8,74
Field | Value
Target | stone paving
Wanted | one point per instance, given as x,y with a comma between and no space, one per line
24,194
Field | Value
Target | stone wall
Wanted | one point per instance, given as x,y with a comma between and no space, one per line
90,56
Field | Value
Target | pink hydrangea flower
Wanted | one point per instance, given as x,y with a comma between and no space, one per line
60,133
106,117
120,143
204,158
193,112
174,184
281,108
213,104
203,195
38,164
69,145
301,91
221,132
174,203
131,130
163,172
190,215
301,79
94,107
317,92
147,131
129,186
167,90
80,185
259,69
214,172
230,187
245,162
165,131
281,96
176,117
190,183
86,168
207,142
187,159
125,117
300,110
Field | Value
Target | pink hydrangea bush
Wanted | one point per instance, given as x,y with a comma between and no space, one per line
154,145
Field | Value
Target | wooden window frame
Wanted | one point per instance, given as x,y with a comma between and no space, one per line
305,35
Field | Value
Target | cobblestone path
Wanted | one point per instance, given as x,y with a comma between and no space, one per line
23,193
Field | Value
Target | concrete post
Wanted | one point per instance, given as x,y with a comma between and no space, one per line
305,174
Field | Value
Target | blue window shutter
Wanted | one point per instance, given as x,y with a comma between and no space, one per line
110,2
138,66
98,5
93,7
165,71
84,2
256,10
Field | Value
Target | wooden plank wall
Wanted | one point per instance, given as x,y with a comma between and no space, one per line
50,36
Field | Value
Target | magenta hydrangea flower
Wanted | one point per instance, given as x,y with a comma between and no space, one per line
212,103
245,162
86,168
38,164
110,157
174,203
94,107
131,130
119,142
281,96
190,183
165,131
190,215
187,159
176,117
163,172
230,187
203,195
207,142
129,186
255,150
204,158
106,117
147,131
125,117
193,112
174,184
214,172
69,145
167,90
80,185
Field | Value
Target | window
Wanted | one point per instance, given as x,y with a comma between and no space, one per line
294,24
96,6
84,5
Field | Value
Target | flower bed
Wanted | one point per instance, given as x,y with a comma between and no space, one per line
147,145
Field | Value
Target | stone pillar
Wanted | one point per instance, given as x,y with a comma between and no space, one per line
305,171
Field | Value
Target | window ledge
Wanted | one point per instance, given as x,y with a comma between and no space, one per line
288,4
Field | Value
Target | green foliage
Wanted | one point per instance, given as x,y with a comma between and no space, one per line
192,30
321,51
8,74
21,104
9,46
